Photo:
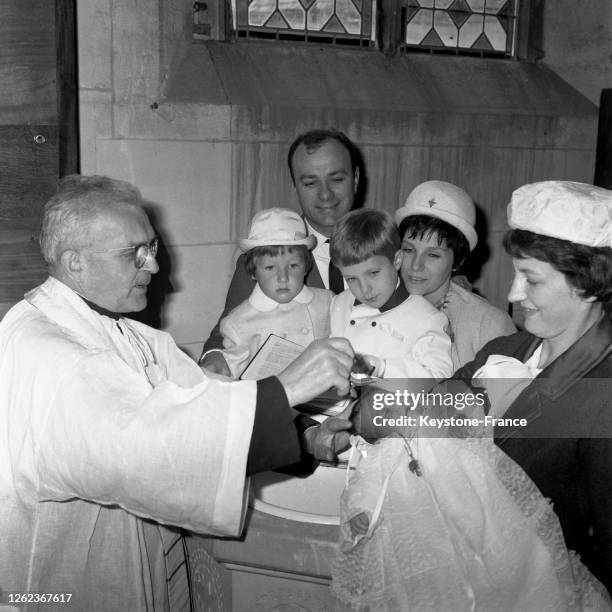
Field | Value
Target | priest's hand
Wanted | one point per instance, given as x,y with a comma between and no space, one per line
323,365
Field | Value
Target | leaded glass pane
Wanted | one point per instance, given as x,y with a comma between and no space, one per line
493,6
476,6
319,14
293,13
418,27
349,16
484,27
336,21
495,33
259,11
445,28
470,31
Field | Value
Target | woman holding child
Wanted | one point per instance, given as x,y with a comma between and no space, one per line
561,245
436,225
455,523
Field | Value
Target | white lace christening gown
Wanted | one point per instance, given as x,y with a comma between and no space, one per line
455,525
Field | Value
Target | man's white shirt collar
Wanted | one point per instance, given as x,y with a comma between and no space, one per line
260,301
321,239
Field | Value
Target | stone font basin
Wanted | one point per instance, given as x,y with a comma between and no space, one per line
313,499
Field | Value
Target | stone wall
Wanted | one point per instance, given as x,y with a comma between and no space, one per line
206,140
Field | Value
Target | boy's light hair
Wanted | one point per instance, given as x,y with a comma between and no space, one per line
361,234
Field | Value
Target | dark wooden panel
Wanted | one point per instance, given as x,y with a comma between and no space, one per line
28,176
28,169
38,107
27,61
21,265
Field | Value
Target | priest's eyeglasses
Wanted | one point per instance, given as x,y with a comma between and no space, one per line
141,251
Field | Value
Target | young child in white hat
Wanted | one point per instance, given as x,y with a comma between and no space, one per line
277,257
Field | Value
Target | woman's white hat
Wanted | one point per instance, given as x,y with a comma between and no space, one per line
576,212
277,226
444,201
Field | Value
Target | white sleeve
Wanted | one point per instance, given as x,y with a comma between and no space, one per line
428,357
174,454
236,350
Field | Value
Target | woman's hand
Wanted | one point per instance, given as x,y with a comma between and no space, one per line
328,439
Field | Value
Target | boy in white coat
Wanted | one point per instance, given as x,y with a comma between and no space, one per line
278,258
400,335
433,518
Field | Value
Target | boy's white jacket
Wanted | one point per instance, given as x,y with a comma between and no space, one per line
103,424
409,340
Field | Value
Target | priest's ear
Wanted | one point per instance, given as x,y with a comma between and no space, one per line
71,263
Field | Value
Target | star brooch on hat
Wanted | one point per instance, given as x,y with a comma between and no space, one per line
432,202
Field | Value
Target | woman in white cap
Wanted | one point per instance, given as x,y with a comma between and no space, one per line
278,259
561,245
436,225
472,530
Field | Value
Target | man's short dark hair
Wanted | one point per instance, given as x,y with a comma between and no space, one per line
313,139
587,269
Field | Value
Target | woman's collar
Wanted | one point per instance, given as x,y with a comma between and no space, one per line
580,358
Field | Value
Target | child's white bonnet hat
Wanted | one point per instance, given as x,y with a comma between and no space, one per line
444,201
576,212
277,226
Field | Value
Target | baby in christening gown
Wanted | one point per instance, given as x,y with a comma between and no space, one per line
452,523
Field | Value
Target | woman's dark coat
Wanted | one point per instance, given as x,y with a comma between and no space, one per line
566,448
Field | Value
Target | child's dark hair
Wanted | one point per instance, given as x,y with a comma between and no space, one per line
588,269
252,255
422,226
361,234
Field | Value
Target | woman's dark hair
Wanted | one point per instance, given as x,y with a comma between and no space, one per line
421,226
252,255
588,269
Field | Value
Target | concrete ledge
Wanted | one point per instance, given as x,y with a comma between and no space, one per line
308,76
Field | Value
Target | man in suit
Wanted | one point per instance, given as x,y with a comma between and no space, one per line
325,168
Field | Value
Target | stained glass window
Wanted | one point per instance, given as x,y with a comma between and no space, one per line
349,22
480,27
486,28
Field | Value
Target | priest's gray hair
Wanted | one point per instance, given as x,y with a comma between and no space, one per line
68,215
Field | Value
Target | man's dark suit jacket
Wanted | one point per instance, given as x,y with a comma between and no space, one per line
239,290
